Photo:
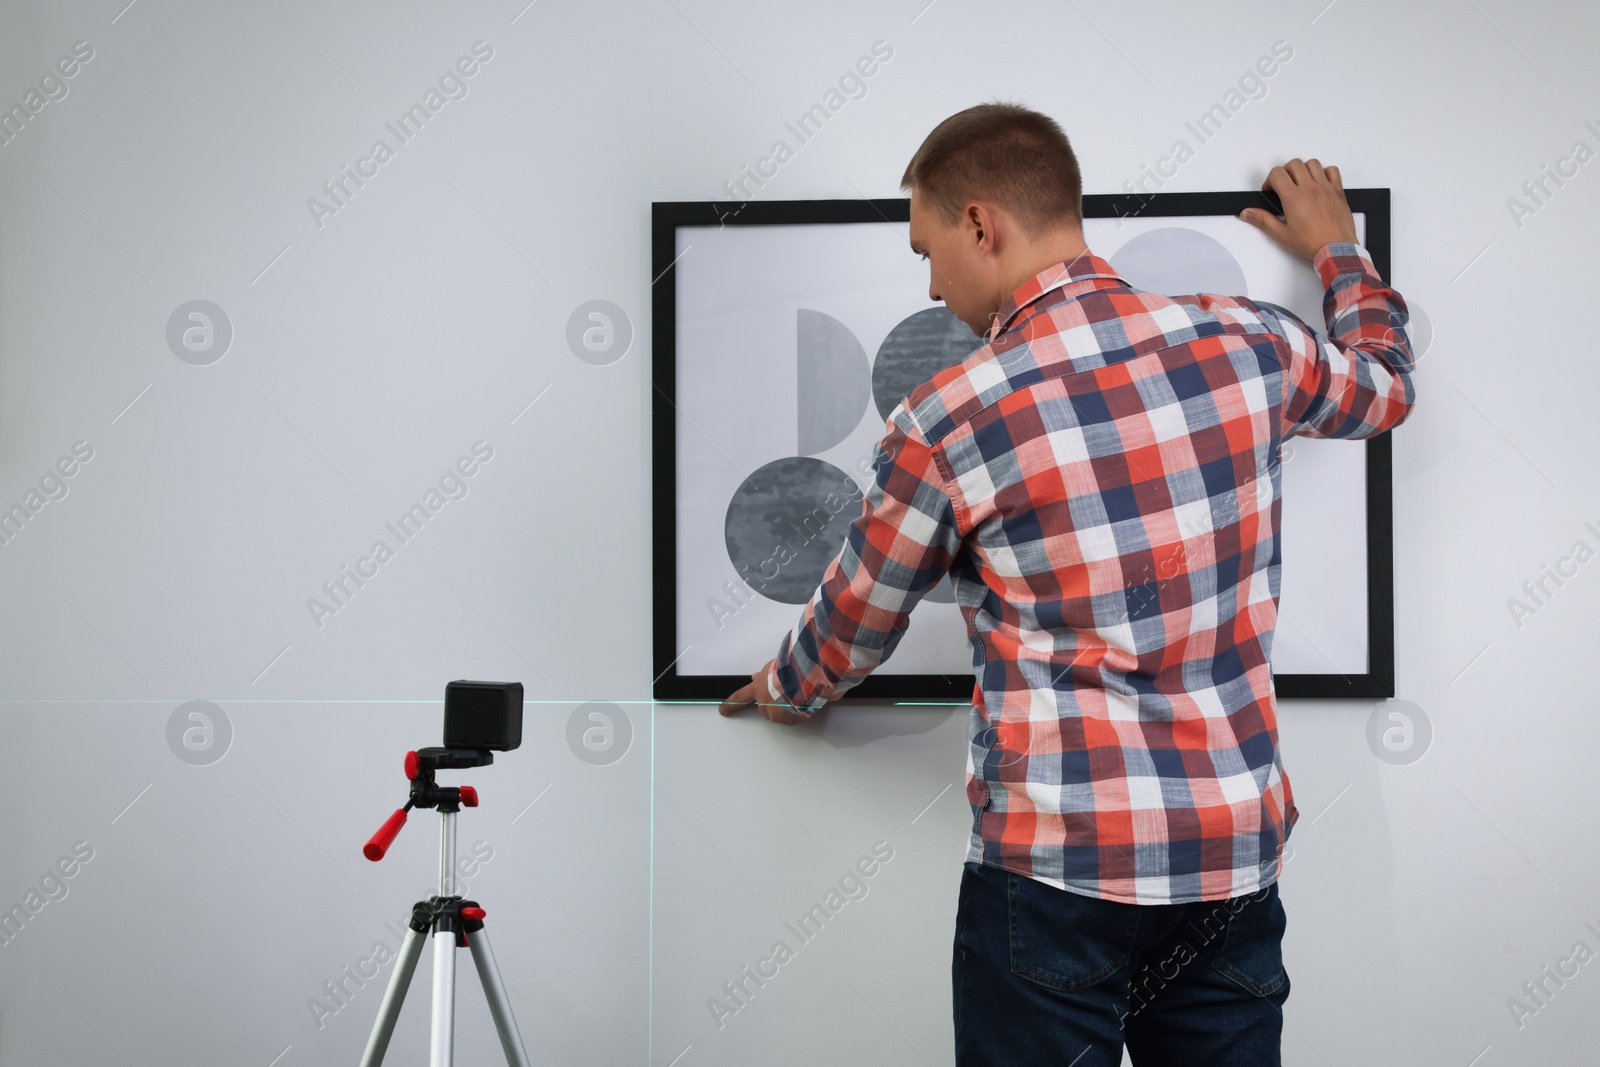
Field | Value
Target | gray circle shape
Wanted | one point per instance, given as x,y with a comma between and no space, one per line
599,332
599,732
785,503
1399,732
1178,261
199,332
199,732
921,345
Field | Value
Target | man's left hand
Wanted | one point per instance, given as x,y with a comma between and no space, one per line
766,702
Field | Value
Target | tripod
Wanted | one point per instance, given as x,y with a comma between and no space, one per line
450,919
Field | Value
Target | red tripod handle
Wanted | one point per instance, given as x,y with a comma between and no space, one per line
375,848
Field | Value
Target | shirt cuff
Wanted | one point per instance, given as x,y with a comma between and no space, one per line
1341,257
776,688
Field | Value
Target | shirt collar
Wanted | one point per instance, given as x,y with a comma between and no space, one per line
1073,277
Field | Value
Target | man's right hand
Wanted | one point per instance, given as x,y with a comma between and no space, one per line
1315,212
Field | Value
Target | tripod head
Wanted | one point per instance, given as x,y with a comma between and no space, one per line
479,717
421,764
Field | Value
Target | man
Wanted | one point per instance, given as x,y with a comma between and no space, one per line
1101,481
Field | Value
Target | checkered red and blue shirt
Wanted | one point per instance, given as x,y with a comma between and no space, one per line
1101,480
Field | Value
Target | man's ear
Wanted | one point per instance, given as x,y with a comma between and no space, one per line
980,223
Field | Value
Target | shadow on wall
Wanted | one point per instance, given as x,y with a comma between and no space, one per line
848,725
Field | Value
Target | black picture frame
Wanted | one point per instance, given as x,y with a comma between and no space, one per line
668,217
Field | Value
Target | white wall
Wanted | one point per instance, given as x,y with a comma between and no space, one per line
372,351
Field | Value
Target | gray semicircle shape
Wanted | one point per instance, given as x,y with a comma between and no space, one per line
785,503
1178,261
832,380
920,346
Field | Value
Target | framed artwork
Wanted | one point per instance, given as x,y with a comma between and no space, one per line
786,331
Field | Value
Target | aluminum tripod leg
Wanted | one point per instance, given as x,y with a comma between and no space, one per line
442,1048
394,996
499,1004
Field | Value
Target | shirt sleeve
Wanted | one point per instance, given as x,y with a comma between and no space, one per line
1356,382
896,550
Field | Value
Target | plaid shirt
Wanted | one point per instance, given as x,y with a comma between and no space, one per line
1102,482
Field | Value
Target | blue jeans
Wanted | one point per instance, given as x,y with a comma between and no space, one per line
1044,976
